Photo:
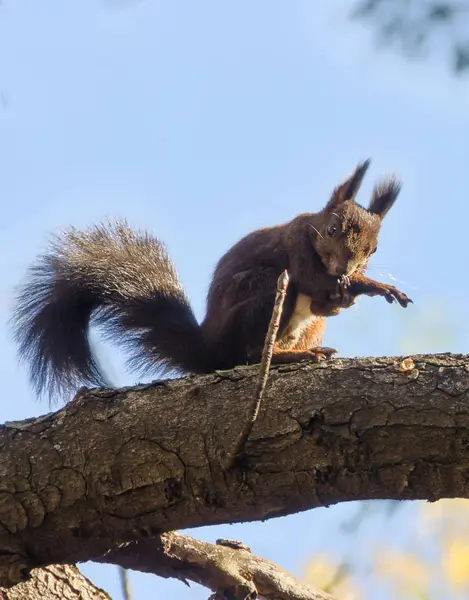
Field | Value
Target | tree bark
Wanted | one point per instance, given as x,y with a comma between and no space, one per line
227,568
56,582
115,466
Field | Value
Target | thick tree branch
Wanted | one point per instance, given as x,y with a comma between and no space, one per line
123,465
227,568
56,582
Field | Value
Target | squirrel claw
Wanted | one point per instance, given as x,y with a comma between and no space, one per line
322,353
405,301
344,281
394,295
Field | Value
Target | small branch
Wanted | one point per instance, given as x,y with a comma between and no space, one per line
125,585
226,568
271,336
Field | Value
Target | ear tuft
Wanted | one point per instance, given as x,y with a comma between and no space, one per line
348,189
384,196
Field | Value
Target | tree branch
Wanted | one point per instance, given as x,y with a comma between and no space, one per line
227,568
56,582
115,466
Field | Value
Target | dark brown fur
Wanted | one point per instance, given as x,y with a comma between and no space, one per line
125,281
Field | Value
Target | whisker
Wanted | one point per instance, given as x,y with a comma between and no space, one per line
389,275
316,231
401,281
412,287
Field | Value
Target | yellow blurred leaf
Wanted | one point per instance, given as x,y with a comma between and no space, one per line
406,571
456,562
331,577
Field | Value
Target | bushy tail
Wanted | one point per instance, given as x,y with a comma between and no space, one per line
121,279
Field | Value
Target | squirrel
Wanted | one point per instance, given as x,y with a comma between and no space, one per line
124,281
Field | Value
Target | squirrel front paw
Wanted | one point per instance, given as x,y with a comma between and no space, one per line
392,294
343,296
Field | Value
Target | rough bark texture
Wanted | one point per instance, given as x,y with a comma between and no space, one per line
56,582
122,465
227,568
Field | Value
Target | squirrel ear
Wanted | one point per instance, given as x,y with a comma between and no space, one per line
348,189
384,196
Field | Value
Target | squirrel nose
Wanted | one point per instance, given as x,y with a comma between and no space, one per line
338,272
349,267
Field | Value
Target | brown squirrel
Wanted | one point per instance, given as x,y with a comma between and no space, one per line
124,280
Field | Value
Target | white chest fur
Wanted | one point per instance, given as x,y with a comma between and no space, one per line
300,319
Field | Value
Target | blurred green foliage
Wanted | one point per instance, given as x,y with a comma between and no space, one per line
417,25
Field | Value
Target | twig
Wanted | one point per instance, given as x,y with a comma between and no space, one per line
125,586
282,284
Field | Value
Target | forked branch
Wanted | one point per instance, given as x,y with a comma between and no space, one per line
227,568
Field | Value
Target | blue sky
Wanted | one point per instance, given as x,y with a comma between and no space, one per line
205,120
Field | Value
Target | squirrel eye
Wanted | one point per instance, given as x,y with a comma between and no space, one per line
331,230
